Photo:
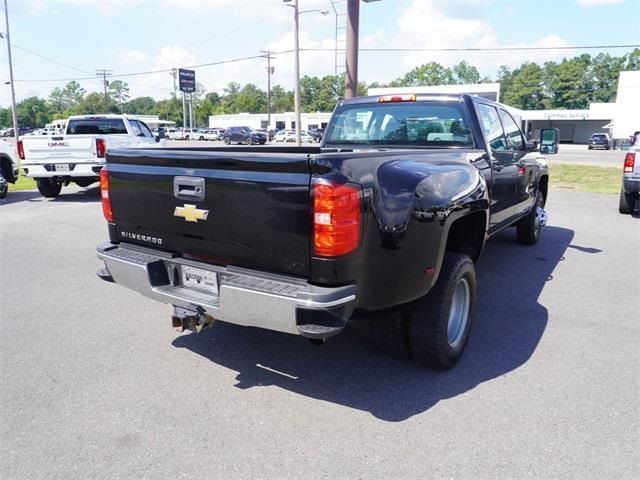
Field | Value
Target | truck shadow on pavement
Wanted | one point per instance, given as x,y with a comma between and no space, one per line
509,323
82,195
19,196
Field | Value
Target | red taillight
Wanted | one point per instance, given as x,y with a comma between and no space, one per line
20,148
336,218
104,195
397,98
101,147
629,162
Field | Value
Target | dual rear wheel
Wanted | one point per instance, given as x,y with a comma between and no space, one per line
432,330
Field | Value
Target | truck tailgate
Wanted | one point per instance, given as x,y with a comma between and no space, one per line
74,148
253,211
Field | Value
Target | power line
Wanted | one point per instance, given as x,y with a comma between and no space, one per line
489,49
150,72
49,59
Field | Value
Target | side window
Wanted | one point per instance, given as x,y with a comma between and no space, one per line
135,128
145,129
492,128
513,132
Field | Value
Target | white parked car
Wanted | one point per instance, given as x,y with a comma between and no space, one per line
79,154
285,136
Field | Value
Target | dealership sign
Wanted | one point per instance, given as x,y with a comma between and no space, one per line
187,80
567,115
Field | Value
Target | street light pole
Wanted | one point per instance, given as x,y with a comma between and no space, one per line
13,91
296,91
353,20
296,63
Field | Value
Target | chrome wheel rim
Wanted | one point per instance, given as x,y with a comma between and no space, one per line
541,218
459,313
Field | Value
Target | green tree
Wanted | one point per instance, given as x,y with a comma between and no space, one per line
57,101
119,91
251,99
632,60
170,109
91,104
525,88
569,82
5,117
141,106
32,112
281,100
431,73
465,73
228,104
72,94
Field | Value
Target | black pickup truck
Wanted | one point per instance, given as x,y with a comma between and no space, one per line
383,220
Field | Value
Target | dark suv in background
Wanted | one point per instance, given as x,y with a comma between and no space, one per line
245,135
599,140
316,134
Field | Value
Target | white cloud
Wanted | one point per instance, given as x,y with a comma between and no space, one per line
597,3
426,25
132,57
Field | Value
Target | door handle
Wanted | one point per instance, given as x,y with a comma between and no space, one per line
189,188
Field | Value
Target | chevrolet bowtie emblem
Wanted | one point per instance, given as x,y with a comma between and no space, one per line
190,213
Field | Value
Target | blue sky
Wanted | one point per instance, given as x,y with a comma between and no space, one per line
129,36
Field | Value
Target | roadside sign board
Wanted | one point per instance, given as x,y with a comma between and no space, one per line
187,80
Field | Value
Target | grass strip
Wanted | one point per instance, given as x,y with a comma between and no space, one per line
585,178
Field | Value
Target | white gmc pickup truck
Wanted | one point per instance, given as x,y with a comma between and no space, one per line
79,154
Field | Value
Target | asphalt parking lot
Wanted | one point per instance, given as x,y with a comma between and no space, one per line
95,384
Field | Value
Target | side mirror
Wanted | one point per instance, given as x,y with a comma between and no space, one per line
531,146
549,140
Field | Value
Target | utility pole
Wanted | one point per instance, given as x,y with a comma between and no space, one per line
174,74
270,70
16,133
104,74
353,21
353,27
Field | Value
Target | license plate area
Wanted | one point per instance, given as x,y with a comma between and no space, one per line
198,279
61,167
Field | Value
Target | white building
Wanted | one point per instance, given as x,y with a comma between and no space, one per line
279,121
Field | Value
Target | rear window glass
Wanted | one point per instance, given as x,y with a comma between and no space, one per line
429,124
96,126
598,137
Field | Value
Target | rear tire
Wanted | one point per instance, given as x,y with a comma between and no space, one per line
389,332
529,228
249,141
440,322
627,201
48,187
227,141
434,329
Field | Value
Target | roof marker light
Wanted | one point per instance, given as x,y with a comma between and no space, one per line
397,98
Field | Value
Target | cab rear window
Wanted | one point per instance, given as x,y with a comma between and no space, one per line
420,124
97,126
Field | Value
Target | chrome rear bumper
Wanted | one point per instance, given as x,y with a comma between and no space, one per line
246,297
